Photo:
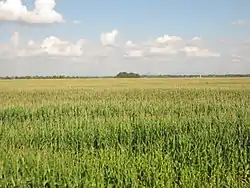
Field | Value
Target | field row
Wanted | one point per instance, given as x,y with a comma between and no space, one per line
125,138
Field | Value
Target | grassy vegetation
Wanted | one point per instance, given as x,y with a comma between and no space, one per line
125,133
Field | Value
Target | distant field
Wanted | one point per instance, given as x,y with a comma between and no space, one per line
114,83
125,132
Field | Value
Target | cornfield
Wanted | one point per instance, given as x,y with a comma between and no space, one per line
162,135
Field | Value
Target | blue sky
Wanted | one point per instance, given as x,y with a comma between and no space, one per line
140,19
223,28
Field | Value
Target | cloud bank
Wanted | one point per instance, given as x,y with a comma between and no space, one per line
240,22
53,46
162,55
43,12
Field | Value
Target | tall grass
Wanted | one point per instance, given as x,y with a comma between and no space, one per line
125,138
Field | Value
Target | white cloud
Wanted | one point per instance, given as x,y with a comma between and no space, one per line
240,22
236,56
80,42
29,52
5,50
55,54
31,43
167,39
15,39
196,38
44,12
133,50
54,46
193,51
57,47
108,39
236,60
130,44
77,22
134,53
168,50
51,46
165,45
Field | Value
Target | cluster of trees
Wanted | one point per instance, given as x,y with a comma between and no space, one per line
127,75
119,75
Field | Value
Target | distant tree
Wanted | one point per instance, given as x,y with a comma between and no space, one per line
127,75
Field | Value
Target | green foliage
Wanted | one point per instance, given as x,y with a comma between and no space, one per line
127,75
125,138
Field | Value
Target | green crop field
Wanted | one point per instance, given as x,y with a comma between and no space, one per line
125,133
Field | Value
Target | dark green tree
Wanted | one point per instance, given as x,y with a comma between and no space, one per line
127,75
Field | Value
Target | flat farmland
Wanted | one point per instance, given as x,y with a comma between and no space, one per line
121,83
147,132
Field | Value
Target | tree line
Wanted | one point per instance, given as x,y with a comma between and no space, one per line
124,75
